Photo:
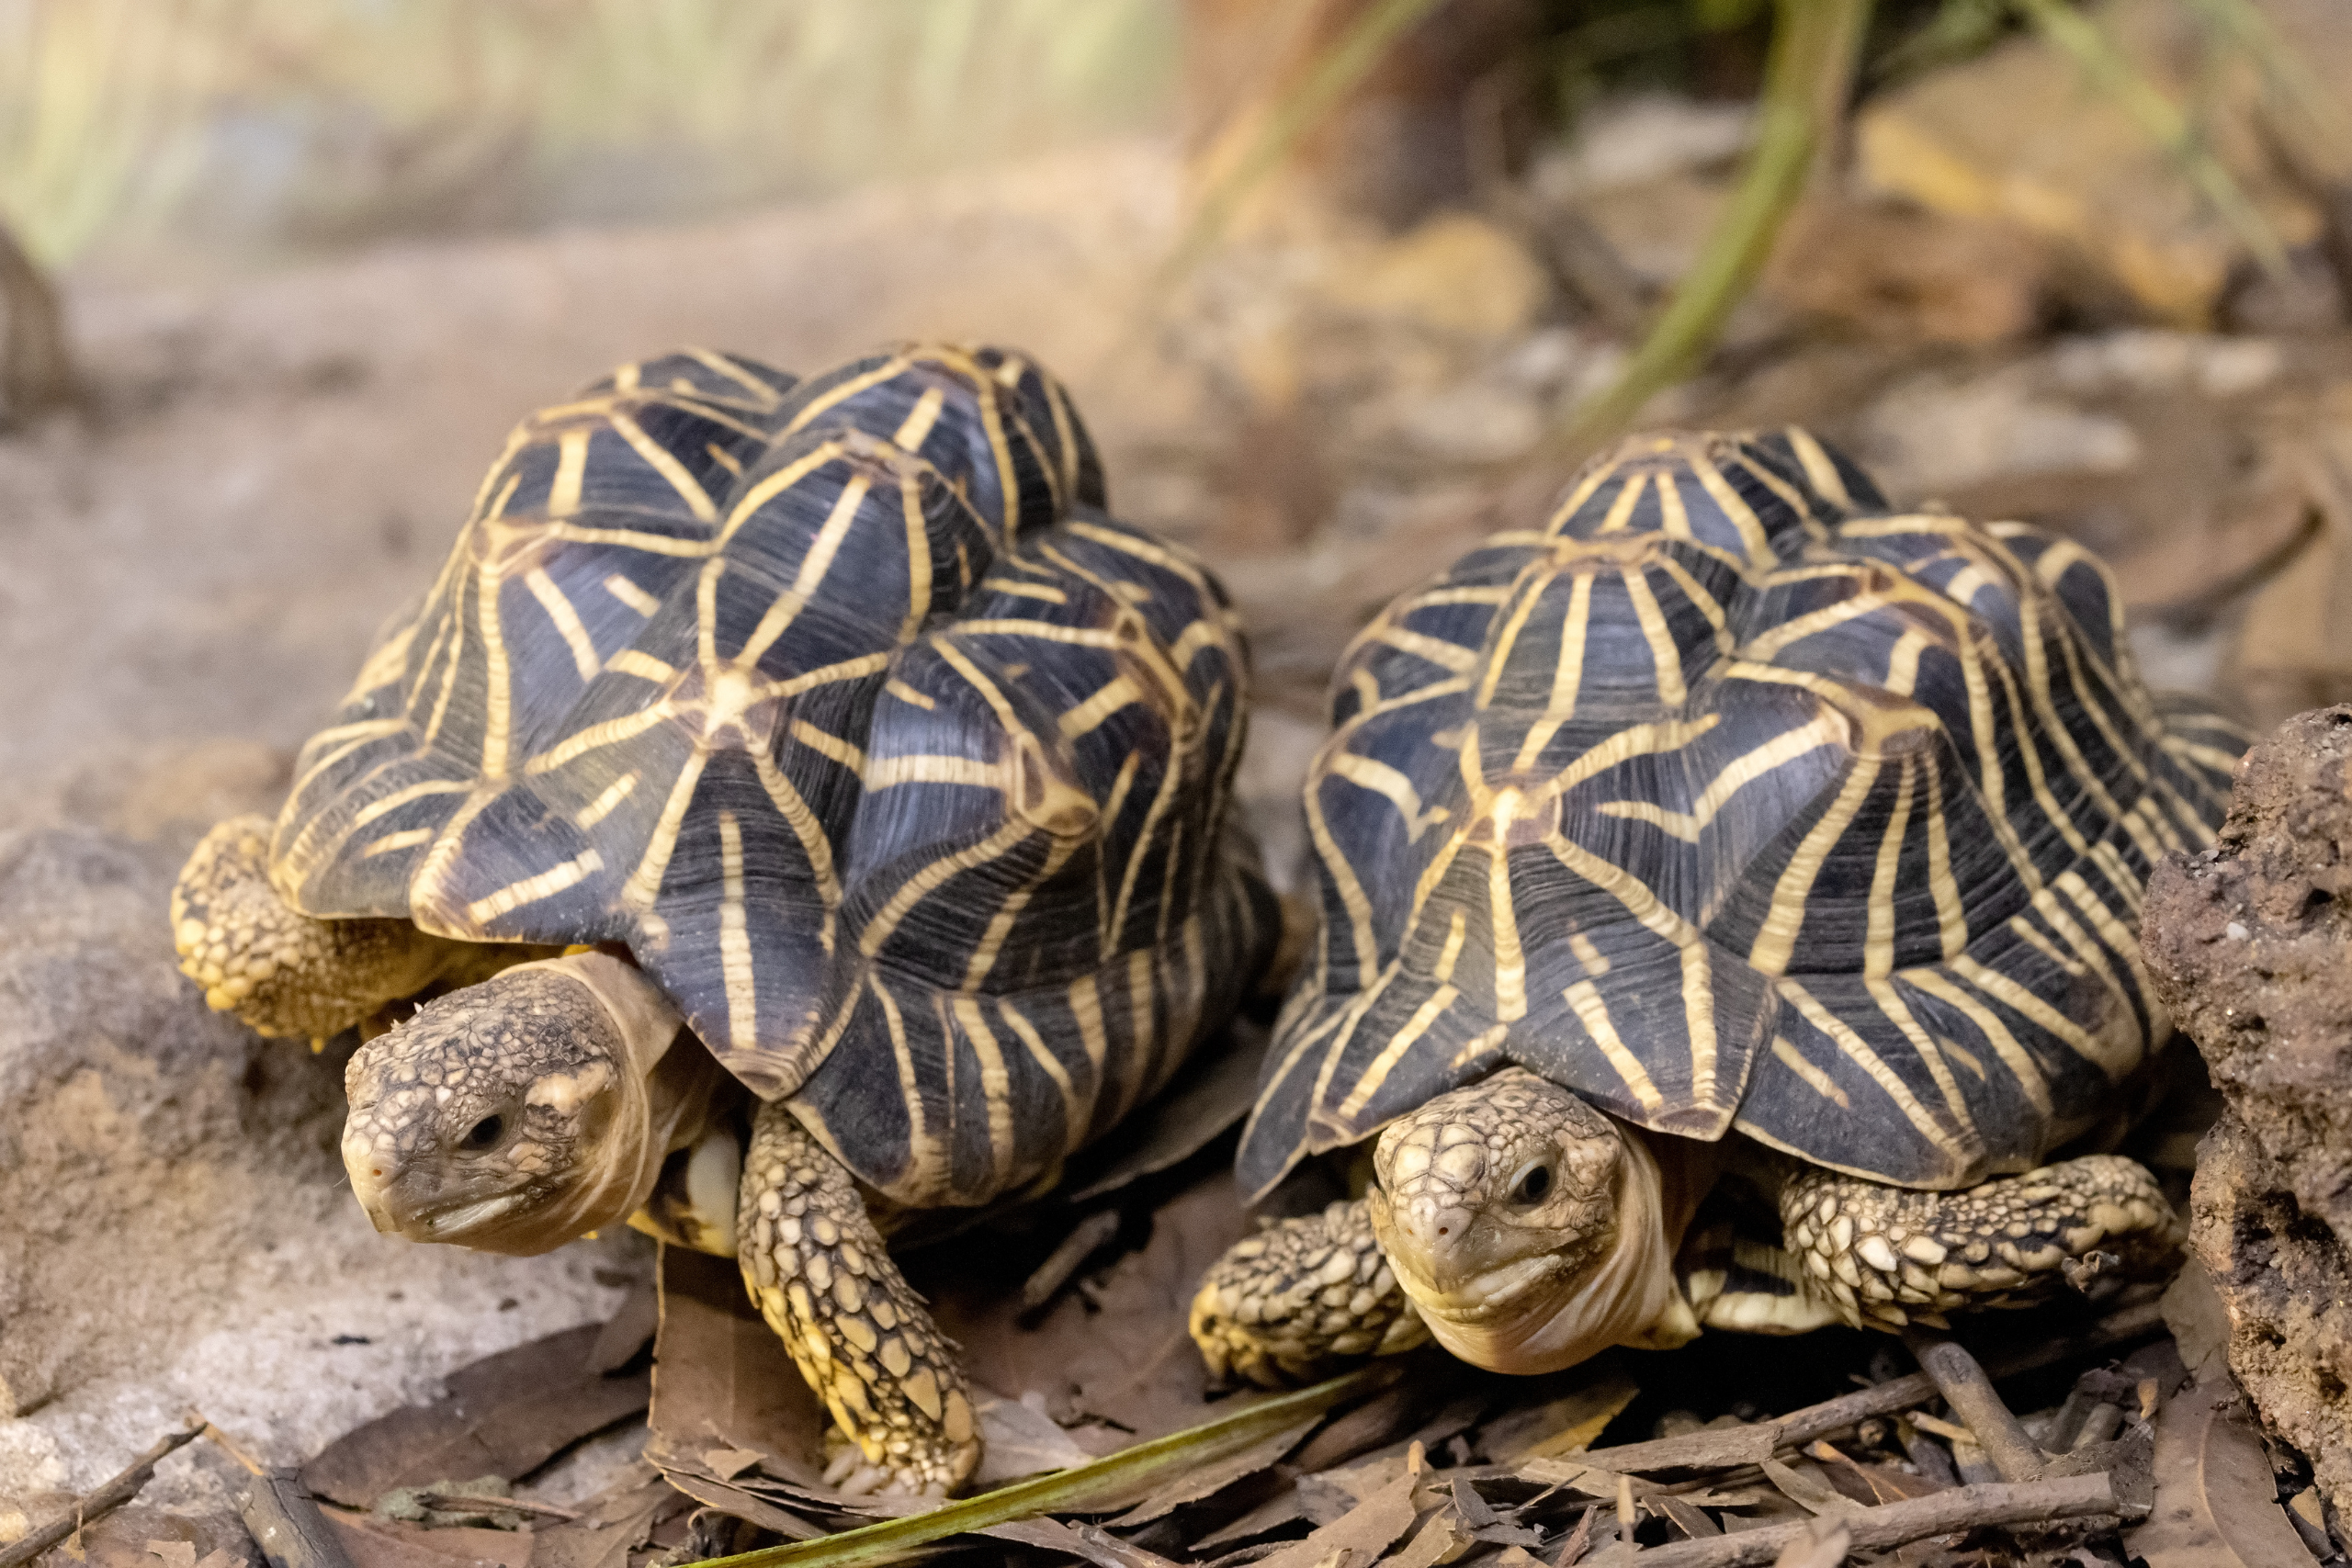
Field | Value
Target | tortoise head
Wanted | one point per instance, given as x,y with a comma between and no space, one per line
519,1113
1525,1225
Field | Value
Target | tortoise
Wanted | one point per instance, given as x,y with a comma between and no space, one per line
827,738
1728,826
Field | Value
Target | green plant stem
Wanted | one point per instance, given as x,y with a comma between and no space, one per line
2159,119
1337,71
1806,78
1123,1473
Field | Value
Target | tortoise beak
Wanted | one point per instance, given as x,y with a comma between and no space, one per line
1435,1237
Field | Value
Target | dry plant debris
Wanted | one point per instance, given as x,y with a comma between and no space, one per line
1415,1462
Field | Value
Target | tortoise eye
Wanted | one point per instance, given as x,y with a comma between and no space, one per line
484,1133
1534,1185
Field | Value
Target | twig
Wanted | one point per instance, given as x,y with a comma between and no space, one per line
1084,1239
97,1504
1895,1524
224,1442
1717,1447
285,1522
466,1503
1970,1393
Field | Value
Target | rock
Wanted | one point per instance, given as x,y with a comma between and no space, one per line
2249,946
163,1162
2020,135
1455,274
2288,1286
1907,274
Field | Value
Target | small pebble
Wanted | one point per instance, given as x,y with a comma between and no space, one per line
2234,931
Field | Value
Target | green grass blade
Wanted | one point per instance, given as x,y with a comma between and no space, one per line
2251,31
1806,79
1144,1465
2159,119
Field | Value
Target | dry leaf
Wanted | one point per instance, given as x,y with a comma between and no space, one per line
1823,1545
175,1553
1438,1537
2193,1311
1567,1424
1367,1530
722,1382
2216,1505
1123,1356
505,1414
373,1542
612,1524
1017,1441
1691,1521
1869,1484
1212,1478
1808,1491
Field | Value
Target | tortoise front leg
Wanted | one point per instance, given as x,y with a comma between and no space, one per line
1889,1255
1300,1293
280,971
857,1331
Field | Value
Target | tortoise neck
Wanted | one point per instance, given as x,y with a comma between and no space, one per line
664,1085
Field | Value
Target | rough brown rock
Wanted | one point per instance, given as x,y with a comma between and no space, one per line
2249,945
2288,1286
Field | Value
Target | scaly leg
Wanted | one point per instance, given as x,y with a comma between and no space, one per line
814,1262
1299,1293
278,970
1889,1255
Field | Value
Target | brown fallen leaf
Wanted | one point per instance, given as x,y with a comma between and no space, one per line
1089,1542
722,1383
1869,1484
1123,1355
1691,1521
613,1523
1440,1537
373,1542
1213,1478
1824,1545
2216,1505
1808,1491
1564,1425
629,1330
1367,1530
505,1415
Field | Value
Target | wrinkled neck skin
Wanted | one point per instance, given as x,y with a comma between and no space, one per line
664,1080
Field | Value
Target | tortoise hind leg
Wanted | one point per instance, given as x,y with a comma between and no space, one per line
278,970
822,1278
1300,1293
1890,1255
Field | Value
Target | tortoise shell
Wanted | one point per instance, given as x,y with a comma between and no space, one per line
898,764
1731,802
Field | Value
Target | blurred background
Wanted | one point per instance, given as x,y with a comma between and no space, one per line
1341,285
